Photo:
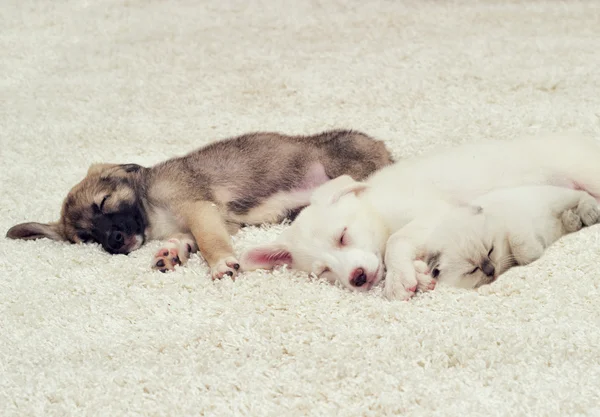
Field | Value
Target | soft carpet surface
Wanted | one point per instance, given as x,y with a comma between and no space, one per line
86,333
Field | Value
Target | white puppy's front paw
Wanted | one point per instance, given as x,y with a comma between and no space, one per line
425,281
571,221
588,211
226,266
396,287
174,252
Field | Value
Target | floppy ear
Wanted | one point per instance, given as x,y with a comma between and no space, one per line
32,230
266,257
125,169
333,190
432,259
475,210
96,169
471,208
129,168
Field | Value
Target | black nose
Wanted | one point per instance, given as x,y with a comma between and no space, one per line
115,240
359,278
488,268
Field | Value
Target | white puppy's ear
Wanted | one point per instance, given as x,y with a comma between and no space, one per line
266,257
471,208
333,190
477,210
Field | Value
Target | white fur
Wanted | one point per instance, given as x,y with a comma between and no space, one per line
389,216
503,228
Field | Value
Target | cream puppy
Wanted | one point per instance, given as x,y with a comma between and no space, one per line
473,245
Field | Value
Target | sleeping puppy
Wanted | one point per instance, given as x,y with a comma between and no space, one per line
473,245
356,232
197,200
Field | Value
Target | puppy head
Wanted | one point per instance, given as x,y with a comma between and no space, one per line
337,237
468,249
105,207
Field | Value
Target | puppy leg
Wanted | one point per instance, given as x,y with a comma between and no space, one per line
400,278
525,248
425,281
571,221
210,232
587,209
176,251
403,275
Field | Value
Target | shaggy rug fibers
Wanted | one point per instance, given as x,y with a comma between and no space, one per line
86,333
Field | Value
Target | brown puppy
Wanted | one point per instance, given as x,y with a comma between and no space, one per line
197,200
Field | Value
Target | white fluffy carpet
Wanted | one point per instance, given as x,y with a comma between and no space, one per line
86,333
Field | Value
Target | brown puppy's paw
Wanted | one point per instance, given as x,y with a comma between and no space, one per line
225,267
174,252
166,259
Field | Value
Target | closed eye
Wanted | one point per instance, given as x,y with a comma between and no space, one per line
324,270
491,250
104,201
343,240
99,209
85,237
474,270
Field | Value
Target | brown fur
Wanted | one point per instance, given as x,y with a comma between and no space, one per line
208,193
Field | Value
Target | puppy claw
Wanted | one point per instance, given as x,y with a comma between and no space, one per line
395,290
399,286
175,252
224,267
166,262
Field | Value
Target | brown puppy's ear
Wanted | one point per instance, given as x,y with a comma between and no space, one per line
32,230
124,169
96,169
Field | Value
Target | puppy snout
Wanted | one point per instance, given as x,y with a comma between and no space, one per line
116,239
359,277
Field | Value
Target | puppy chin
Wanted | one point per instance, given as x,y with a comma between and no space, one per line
132,243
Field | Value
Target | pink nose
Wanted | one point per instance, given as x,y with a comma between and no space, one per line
359,278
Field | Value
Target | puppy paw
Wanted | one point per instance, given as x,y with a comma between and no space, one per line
225,267
397,288
424,280
174,252
588,211
571,221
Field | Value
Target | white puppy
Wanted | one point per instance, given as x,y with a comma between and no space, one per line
351,227
474,244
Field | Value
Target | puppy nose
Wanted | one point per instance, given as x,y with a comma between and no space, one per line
115,240
488,269
359,278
